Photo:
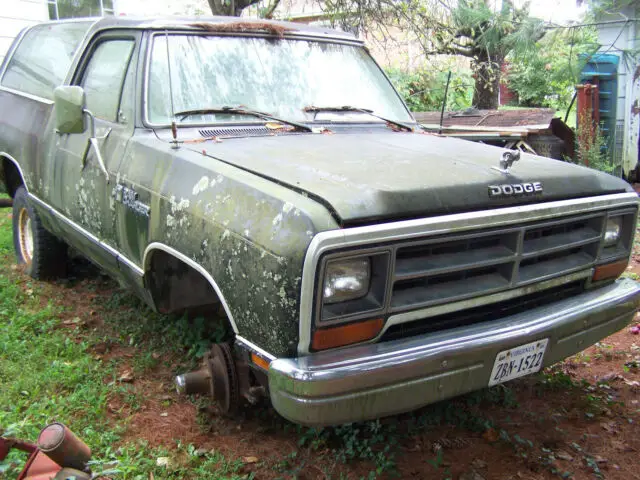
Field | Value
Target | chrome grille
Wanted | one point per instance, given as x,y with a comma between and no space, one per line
447,269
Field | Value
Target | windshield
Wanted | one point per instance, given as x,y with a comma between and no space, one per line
280,77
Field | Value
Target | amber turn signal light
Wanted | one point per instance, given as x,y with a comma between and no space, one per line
610,270
259,361
346,334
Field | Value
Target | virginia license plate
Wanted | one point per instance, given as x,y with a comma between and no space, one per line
518,362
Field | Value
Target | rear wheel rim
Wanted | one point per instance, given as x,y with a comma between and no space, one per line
25,235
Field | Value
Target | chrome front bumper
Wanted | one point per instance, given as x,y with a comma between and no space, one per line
376,380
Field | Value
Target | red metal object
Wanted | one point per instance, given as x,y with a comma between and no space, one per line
588,114
39,467
7,444
589,102
63,447
507,95
59,454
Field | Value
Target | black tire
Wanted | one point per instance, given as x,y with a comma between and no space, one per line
42,253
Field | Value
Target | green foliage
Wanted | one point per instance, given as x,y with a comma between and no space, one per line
497,31
424,90
546,76
471,28
137,324
604,7
380,441
48,375
592,149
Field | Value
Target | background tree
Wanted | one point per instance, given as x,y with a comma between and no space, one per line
235,7
471,28
548,74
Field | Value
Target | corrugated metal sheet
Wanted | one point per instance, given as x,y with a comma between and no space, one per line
488,118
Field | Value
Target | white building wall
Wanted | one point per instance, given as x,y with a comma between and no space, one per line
618,38
16,15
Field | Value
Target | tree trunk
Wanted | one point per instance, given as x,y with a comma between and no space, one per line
232,8
487,81
218,7
6,202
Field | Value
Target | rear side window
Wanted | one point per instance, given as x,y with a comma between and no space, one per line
43,58
104,77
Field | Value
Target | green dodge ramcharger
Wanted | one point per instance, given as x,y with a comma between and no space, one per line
270,171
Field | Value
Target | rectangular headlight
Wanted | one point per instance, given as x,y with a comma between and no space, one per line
346,280
612,231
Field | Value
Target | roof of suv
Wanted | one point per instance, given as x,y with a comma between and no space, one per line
241,24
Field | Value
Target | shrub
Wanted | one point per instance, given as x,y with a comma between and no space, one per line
423,90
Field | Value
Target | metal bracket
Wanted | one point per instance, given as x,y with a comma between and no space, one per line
93,142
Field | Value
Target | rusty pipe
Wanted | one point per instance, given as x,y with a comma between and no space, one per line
59,443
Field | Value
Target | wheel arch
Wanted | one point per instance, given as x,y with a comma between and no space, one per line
160,248
11,175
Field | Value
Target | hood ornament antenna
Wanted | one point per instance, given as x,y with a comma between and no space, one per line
508,158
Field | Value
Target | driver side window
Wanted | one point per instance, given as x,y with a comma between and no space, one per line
104,77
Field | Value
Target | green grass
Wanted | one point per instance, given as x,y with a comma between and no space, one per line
46,376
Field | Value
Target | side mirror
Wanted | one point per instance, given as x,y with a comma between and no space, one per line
69,104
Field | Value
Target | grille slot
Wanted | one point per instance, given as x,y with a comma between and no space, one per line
452,256
446,269
257,131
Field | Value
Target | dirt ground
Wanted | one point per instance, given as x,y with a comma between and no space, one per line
578,420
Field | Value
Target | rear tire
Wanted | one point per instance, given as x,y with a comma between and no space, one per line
42,253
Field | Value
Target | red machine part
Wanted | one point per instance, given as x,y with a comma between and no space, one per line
59,454
588,114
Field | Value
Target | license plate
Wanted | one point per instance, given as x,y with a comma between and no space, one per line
518,362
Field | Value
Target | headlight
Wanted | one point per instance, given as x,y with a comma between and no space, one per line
612,232
346,280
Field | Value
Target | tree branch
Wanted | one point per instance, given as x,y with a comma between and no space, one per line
271,9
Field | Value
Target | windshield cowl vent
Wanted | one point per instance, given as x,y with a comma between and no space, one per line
258,131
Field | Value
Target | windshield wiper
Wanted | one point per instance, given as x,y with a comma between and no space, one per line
367,111
242,111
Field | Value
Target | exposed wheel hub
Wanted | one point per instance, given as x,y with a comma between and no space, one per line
218,378
223,376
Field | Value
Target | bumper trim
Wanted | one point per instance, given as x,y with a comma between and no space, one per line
374,380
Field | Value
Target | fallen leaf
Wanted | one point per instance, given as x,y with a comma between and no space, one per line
490,435
250,459
201,452
600,460
127,376
164,414
609,427
162,461
479,464
610,377
562,455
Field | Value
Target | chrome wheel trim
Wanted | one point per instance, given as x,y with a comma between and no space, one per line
25,235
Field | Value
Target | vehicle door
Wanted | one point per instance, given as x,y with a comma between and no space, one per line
107,74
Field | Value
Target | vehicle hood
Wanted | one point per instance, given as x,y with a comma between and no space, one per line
369,177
